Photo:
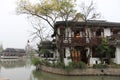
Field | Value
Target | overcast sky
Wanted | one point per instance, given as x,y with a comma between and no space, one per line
14,29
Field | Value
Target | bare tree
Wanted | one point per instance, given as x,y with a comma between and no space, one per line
40,31
87,12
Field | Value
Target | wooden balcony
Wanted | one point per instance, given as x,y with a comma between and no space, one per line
115,36
114,39
80,41
94,41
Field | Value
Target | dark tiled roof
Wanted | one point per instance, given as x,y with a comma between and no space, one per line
93,23
14,50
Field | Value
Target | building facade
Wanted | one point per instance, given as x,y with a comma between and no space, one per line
78,40
13,52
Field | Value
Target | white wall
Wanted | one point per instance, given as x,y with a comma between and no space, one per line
117,55
107,32
66,60
67,32
93,61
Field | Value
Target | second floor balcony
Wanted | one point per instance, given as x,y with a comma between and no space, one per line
114,39
80,41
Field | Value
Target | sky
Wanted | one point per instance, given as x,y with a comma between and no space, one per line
14,29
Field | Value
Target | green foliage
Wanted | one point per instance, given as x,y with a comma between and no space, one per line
104,50
48,11
114,65
69,57
46,63
59,65
77,65
68,68
45,52
36,61
100,66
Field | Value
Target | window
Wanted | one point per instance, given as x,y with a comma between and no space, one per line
62,32
77,34
64,53
48,55
98,32
115,32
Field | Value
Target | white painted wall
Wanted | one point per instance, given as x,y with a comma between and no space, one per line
66,60
58,30
107,32
93,61
117,55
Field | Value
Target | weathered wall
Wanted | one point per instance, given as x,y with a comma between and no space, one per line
66,60
117,55
109,71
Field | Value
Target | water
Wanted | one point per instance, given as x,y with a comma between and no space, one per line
23,70
15,69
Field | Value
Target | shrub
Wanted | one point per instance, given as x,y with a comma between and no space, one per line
114,65
82,65
46,62
100,66
68,68
78,65
59,65
36,61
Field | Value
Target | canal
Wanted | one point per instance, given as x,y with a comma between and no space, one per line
15,69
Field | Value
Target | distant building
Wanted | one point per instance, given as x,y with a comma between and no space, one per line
14,52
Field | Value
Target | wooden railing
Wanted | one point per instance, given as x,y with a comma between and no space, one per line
95,41
80,41
114,39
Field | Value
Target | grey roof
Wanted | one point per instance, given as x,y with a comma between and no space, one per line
93,23
14,50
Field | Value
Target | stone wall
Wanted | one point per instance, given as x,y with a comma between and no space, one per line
107,72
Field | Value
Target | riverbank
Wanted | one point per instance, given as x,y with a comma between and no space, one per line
83,72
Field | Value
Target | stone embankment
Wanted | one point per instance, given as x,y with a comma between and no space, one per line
83,72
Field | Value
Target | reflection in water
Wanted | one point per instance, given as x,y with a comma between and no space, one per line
12,63
15,69
48,76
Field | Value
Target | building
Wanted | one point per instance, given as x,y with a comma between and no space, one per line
13,52
78,40
47,50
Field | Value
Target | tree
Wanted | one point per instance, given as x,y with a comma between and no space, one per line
88,12
104,50
49,11
40,31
